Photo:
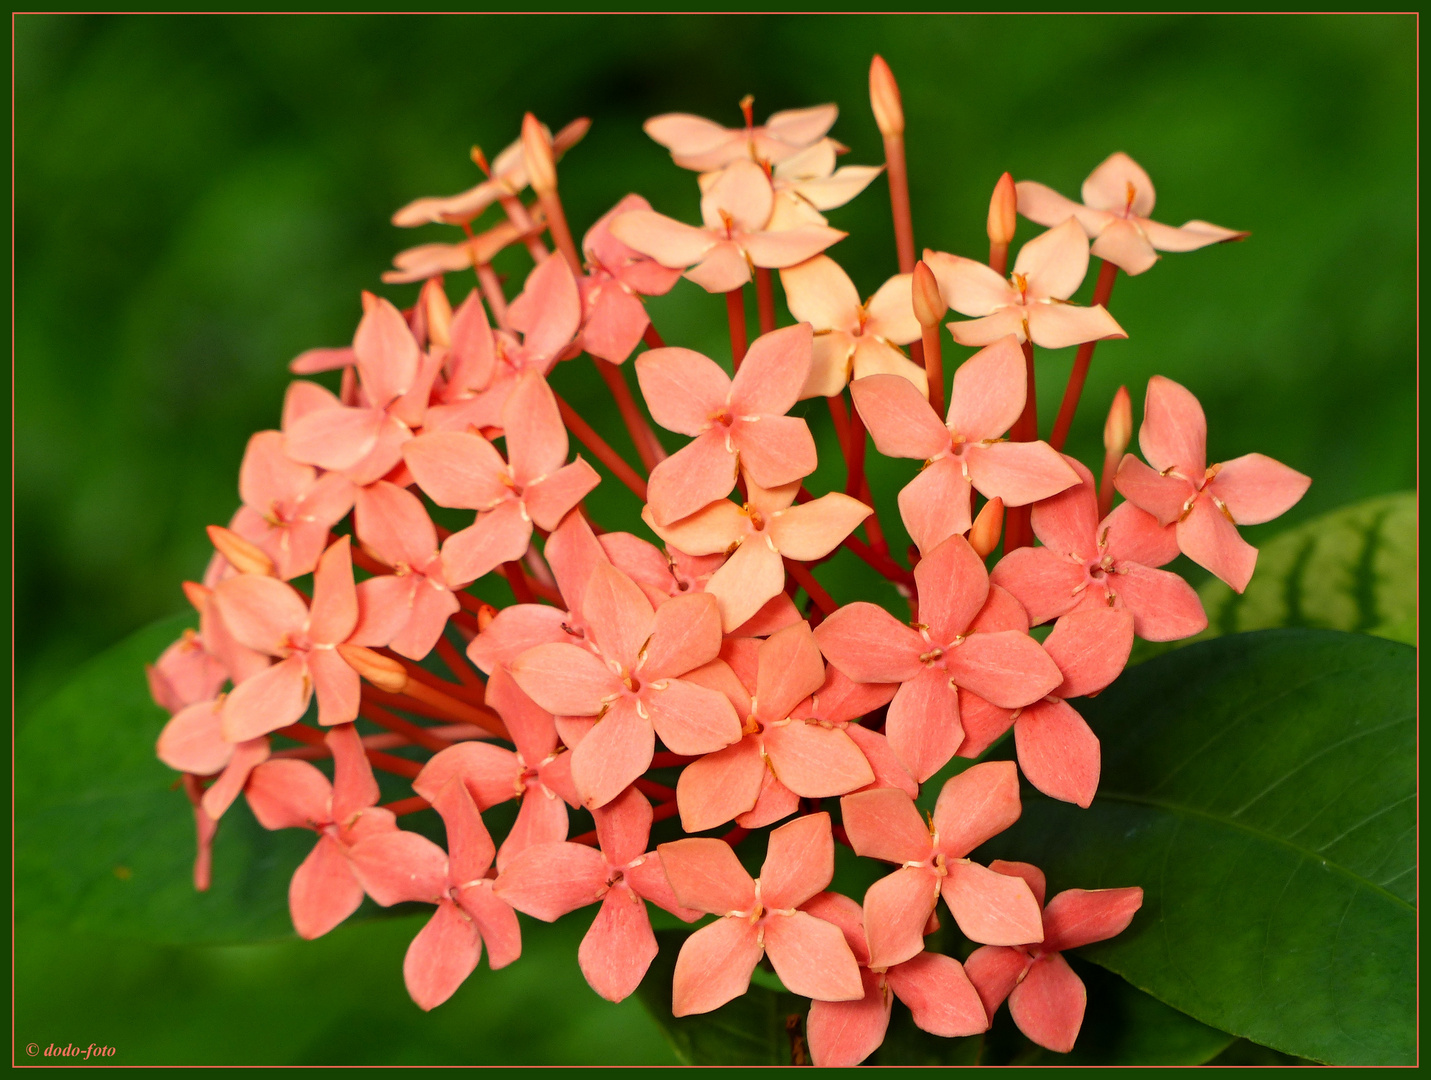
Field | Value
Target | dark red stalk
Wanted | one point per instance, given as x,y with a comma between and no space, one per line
1102,291
813,589
764,299
603,453
735,315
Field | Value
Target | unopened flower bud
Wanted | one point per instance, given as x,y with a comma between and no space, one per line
485,614
537,152
570,135
480,160
1118,428
383,672
1003,211
243,555
884,99
988,526
929,306
437,311
197,595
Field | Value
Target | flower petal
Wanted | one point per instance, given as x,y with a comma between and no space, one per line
1126,246
1174,431
1119,183
1008,668
714,966
546,881
935,505
1255,488
820,293
844,1033
496,537
690,719
923,725
618,949
564,679
869,645
323,891
1164,606
994,970
1078,917
814,529
799,862
274,698
718,787
1057,326
746,581
897,907
967,286
1047,585
1058,752
991,908
1091,648
899,418
1019,472
692,478
682,388
1048,1005
1210,540
940,995
397,866
612,755
977,804
885,824
440,958
706,875
812,958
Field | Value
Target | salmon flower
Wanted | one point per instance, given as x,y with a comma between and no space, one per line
966,452
629,680
1033,303
780,758
762,532
396,867
547,881
736,423
185,673
269,617
1206,502
536,487
703,145
935,988
884,824
759,917
808,182
1118,196
852,340
193,742
613,316
534,772
963,642
1046,999
364,440
507,175
288,508
735,234
1058,752
289,794
1086,563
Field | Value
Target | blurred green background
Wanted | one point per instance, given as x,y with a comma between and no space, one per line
198,199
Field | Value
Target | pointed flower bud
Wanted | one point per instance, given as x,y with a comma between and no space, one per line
1003,211
383,672
197,595
243,556
1118,428
984,535
485,614
480,160
929,306
884,99
437,311
537,151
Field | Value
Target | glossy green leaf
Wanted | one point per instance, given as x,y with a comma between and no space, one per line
1261,789
104,839
1122,1026
1353,569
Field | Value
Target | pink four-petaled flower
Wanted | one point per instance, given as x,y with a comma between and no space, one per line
759,917
1207,502
965,452
1046,999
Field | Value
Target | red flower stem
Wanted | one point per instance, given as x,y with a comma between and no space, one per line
561,232
471,695
599,448
406,704
813,589
855,455
842,836
934,368
736,835
840,417
880,562
655,790
735,315
386,762
1102,291
648,448
652,339
407,806
413,733
999,258
764,299
518,215
899,201
456,663
492,293
454,709
520,591
664,759
1017,530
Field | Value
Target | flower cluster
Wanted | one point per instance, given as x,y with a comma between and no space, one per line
700,674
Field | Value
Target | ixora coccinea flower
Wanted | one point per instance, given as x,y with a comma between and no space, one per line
706,676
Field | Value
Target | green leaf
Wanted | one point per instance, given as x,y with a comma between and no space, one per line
1261,789
761,1027
1353,569
104,840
